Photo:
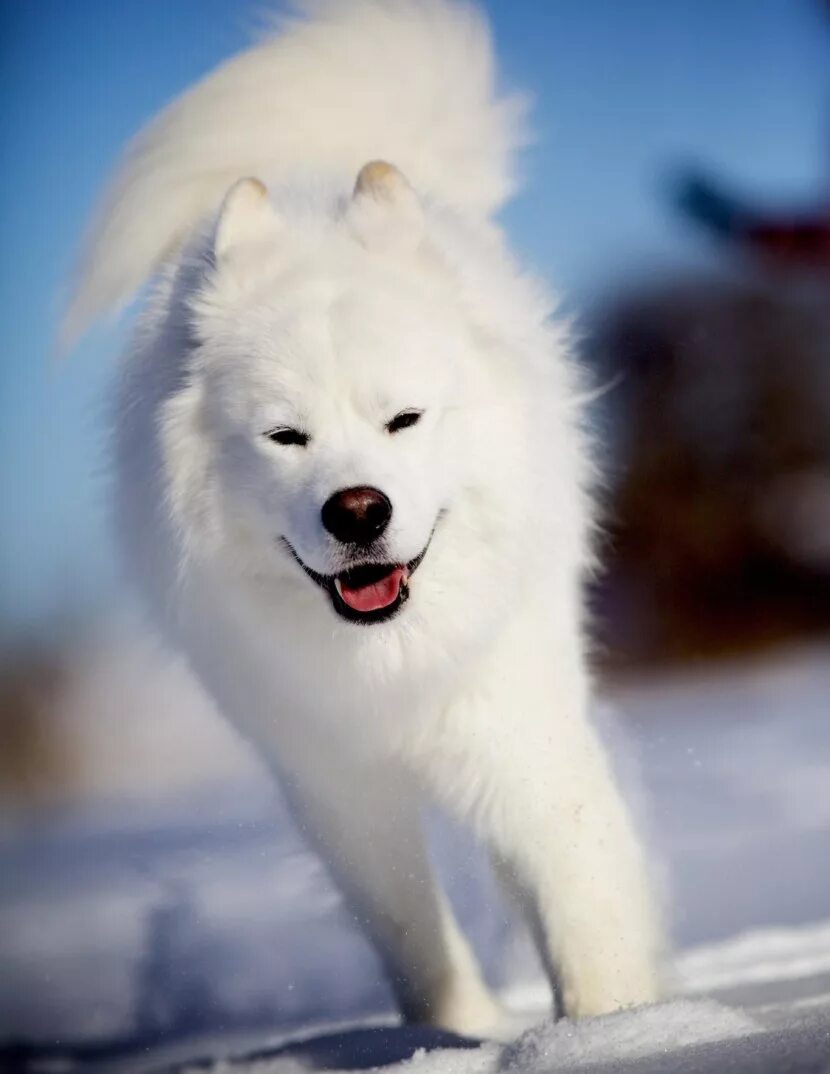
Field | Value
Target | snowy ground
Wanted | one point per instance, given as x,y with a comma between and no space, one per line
172,902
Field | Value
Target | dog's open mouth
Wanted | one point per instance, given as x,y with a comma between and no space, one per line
369,593
373,588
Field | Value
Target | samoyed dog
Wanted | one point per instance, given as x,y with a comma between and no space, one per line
352,483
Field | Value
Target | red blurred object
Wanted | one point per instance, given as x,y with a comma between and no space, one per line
800,242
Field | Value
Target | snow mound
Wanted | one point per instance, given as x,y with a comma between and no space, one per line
626,1035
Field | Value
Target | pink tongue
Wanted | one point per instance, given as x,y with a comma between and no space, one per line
369,598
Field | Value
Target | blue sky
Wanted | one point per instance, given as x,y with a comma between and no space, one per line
625,89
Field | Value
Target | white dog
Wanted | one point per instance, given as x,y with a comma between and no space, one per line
351,481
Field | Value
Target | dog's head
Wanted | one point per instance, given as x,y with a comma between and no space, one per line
335,376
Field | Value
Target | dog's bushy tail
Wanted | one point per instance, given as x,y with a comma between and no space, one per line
340,83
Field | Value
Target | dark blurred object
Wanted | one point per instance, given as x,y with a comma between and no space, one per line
720,513
36,759
795,240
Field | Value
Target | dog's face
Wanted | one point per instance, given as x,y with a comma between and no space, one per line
330,373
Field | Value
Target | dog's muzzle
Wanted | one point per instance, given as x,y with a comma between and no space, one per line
367,593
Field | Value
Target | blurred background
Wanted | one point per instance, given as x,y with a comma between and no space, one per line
678,196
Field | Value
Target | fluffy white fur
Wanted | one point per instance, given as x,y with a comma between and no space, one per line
307,305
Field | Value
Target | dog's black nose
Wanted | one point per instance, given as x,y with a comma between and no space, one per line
357,516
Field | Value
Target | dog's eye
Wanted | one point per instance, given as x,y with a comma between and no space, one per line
403,420
287,437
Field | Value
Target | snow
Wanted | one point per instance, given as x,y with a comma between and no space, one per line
677,1037
767,955
628,1034
166,896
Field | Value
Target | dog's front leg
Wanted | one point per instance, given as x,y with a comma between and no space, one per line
363,818
562,841
518,758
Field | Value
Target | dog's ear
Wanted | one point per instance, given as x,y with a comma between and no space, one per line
385,212
247,217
